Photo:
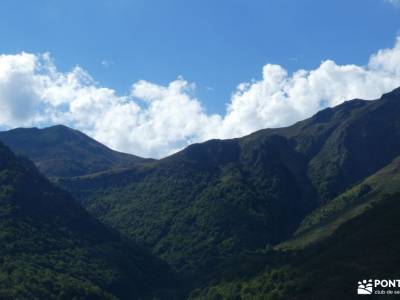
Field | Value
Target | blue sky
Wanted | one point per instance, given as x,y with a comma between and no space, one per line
216,44
151,77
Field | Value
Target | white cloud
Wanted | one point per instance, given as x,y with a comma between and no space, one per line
107,63
154,120
394,2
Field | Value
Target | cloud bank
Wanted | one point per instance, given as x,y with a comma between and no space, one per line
152,120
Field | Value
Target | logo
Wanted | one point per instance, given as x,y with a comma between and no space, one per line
365,287
378,287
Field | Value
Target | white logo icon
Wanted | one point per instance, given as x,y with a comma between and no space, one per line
365,287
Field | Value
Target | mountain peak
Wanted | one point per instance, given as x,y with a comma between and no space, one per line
59,151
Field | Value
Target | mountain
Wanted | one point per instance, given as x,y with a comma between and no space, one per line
51,248
350,237
241,210
365,247
59,151
214,201
325,220
208,202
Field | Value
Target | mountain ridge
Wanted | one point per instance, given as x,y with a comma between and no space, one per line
60,151
206,188
215,202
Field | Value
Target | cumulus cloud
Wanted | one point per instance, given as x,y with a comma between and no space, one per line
152,120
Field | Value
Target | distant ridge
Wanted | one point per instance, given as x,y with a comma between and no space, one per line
59,151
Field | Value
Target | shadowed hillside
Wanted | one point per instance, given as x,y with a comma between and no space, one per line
362,248
53,249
